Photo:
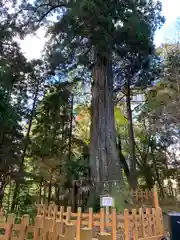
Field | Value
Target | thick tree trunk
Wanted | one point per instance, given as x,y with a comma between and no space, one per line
104,161
133,174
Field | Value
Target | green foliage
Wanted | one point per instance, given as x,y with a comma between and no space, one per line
10,128
13,69
50,130
119,117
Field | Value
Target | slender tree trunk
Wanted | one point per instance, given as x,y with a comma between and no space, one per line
9,195
3,183
133,174
178,183
26,143
49,189
123,161
57,193
44,194
159,181
40,190
75,196
177,173
157,175
1,194
104,160
170,189
70,129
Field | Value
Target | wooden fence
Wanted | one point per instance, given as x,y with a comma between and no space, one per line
54,223
141,195
144,224
150,196
139,225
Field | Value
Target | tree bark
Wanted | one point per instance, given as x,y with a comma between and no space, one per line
40,191
75,196
9,195
104,161
133,174
49,189
158,178
123,161
57,193
2,188
71,128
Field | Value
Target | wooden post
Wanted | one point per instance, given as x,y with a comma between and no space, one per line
102,220
69,231
104,236
126,224
2,216
143,225
154,221
155,197
68,215
149,222
61,213
134,217
53,214
10,218
86,234
1,212
53,211
61,220
78,224
37,225
46,209
24,224
159,221
48,224
47,228
107,214
57,230
10,222
114,224
42,210
90,218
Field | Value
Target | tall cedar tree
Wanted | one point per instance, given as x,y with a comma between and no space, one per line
91,33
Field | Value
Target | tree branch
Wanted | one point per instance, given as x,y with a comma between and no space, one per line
51,9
